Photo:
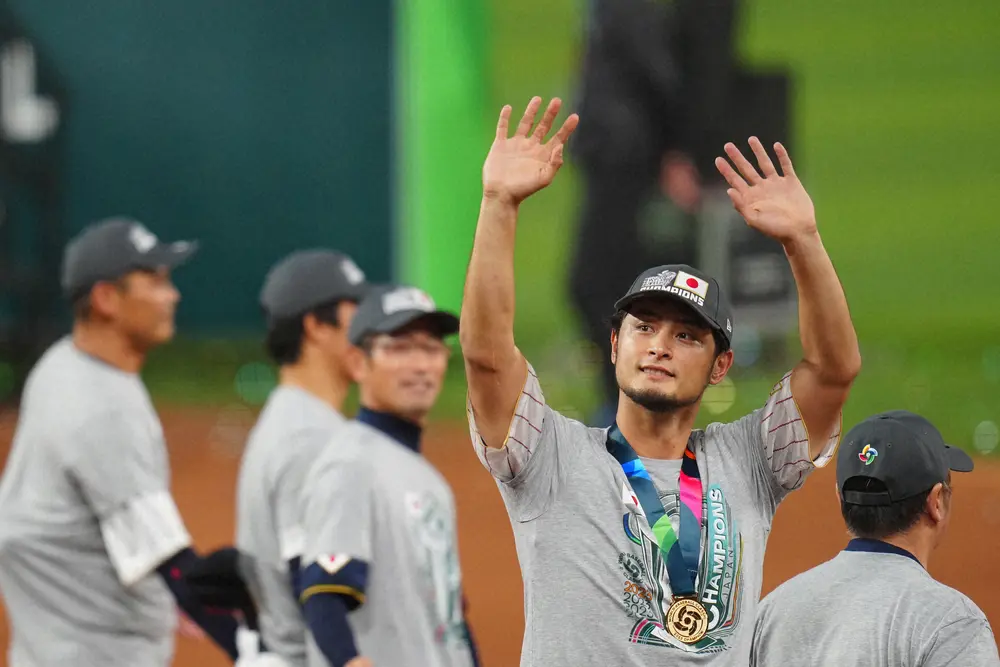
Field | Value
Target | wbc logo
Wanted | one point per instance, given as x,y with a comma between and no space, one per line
868,454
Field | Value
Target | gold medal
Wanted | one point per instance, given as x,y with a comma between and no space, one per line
687,620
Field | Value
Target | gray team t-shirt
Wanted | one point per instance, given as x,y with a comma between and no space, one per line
86,517
864,609
595,586
371,499
292,429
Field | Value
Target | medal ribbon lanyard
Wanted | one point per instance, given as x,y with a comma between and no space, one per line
679,552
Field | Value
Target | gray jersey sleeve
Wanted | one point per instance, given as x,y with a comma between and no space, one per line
968,641
120,465
773,443
338,511
540,443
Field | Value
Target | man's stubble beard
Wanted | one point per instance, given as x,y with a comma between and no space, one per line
657,402
662,403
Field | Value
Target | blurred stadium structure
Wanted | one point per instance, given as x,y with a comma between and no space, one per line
32,163
261,128
661,89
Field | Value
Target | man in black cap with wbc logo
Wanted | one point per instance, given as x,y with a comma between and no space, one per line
644,543
875,603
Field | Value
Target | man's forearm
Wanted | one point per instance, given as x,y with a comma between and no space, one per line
326,616
829,342
515,168
487,327
779,206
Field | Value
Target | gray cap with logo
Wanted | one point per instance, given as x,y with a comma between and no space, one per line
307,279
114,247
390,308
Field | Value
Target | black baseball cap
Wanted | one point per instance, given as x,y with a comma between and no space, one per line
306,279
389,308
113,247
697,290
900,449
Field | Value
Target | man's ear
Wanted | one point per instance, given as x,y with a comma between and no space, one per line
614,346
722,364
310,326
936,503
357,363
105,298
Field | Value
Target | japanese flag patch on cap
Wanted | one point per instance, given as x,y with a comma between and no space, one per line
696,289
691,283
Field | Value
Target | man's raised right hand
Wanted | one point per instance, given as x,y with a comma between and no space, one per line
520,166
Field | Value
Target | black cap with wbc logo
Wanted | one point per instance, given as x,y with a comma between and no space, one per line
902,451
699,291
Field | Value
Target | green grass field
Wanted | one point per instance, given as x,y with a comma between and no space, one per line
897,106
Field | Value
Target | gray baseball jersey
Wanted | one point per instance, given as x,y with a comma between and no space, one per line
864,609
595,587
292,429
86,517
369,498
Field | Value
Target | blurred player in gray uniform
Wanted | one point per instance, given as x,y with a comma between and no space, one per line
309,299
381,578
644,543
874,604
91,542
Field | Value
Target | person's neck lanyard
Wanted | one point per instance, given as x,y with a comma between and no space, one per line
686,619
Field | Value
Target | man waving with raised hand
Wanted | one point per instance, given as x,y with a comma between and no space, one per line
644,542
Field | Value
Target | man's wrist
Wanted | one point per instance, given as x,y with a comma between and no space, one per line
804,241
501,200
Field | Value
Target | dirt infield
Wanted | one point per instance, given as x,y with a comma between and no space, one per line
204,451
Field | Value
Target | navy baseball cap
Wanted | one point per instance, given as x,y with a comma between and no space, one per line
695,289
114,247
306,279
389,308
900,449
